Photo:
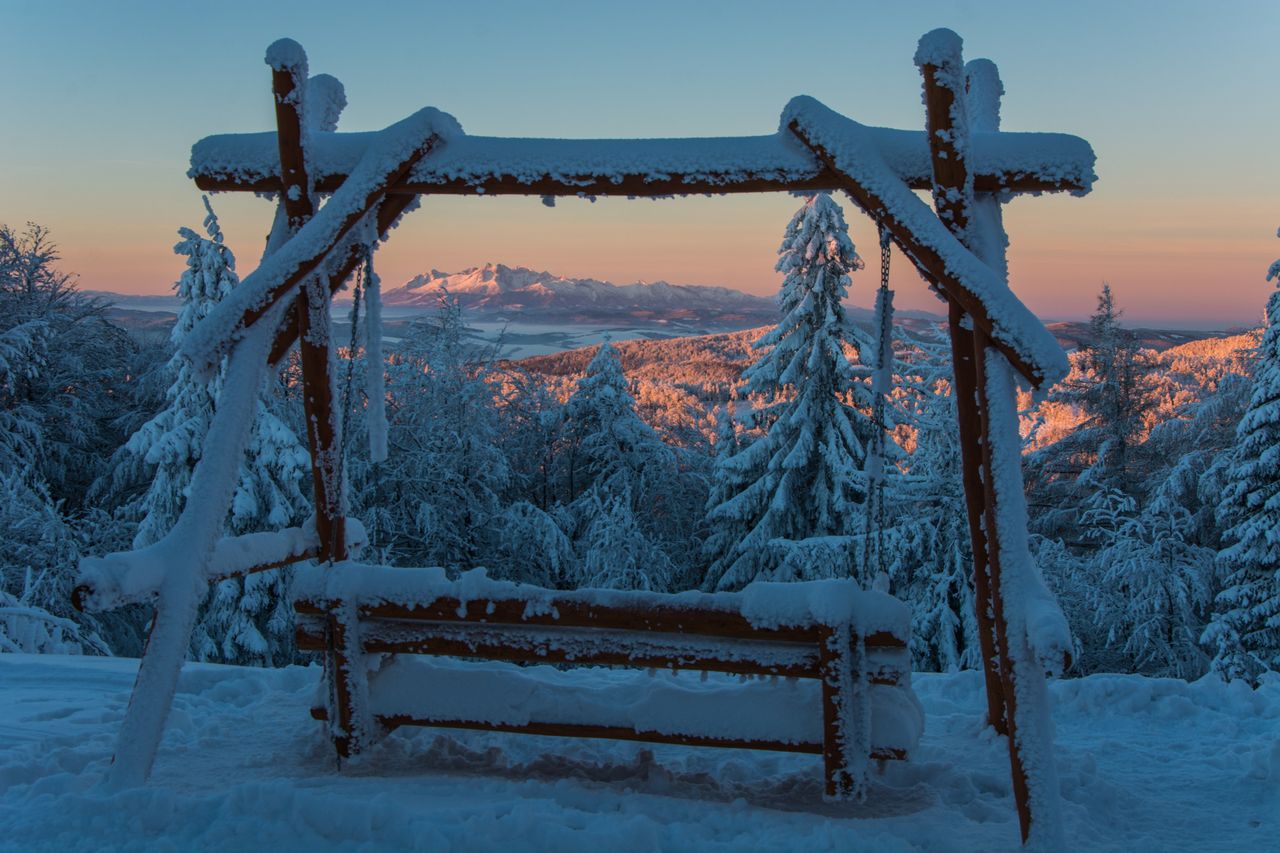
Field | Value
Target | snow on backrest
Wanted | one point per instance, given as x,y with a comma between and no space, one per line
766,606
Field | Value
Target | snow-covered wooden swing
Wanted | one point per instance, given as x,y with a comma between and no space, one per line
853,643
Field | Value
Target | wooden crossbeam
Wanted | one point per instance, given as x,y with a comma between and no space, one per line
635,185
926,260
579,647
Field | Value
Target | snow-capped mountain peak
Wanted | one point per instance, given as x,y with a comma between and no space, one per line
498,289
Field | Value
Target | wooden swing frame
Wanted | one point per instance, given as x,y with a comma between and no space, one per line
975,336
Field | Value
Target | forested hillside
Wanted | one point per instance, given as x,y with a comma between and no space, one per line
616,466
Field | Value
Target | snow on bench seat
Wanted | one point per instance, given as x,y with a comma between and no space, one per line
706,709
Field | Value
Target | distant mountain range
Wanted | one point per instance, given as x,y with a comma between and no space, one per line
497,291
541,312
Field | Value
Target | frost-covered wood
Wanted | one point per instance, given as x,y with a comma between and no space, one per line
134,577
392,152
854,643
486,165
941,258
1023,648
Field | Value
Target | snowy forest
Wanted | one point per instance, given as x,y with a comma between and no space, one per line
1152,477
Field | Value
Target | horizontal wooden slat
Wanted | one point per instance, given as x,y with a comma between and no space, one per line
571,613
577,730
586,647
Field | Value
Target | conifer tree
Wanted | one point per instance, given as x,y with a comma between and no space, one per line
619,472
610,446
930,558
804,477
1111,391
1244,633
244,620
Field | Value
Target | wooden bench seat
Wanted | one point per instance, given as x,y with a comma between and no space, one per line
827,664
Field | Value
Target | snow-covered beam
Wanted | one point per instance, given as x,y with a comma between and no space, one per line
520,643
386,216
486,165
135,577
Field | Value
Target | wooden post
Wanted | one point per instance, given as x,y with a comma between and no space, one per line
953,194
845,735
969,421
951,190
288,84
1018,770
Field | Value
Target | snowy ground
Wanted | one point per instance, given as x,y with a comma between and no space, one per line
1145,765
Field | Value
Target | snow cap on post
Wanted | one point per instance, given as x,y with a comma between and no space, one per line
982,82
287,55
326,99
938,48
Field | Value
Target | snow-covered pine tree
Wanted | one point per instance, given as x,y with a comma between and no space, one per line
804,478
617,469
1244,633
616,552
931,558
437,499
1153,585
1110,389
243,620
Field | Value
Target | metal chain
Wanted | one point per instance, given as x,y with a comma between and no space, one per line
362,276
875,517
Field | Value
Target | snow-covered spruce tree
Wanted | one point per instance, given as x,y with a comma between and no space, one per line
929,555
1110,389
609,446
437,499
61,393
244,620
617,469
804,477
1153,586
1244,634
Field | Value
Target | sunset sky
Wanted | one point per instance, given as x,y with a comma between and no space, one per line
103,102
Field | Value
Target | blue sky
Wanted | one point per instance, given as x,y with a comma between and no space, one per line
104,100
